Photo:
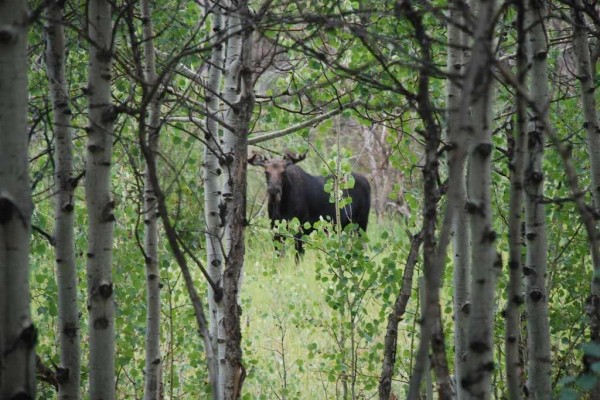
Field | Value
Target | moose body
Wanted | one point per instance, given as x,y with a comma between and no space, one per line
293,193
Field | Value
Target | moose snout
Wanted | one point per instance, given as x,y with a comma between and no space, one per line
274,191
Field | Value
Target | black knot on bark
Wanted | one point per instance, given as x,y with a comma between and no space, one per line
514,265
479,346
218,295
489,366
511,339
527,271
62,375
105,290
536,295
466,308
490,235
92,148
29,336
20,396
471,207
101,323
518,299
110,113
483,150
7,35
70,330
6,210
533,140
536,177
541,55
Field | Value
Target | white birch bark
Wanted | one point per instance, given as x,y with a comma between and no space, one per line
212,179
536,299
100,205
460,227
68,372
480,363
17,332
153,366
515,262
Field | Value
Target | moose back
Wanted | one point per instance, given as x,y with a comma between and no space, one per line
293,193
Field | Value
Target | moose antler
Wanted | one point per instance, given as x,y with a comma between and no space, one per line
257,160
294,157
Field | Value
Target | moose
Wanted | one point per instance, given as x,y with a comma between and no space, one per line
292,192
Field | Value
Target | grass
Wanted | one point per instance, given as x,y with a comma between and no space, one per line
292,335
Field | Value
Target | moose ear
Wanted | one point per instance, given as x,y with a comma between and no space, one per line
257,160
293,158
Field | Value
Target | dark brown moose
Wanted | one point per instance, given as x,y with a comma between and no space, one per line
294,193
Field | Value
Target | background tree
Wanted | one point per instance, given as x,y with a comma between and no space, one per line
69,371
17,330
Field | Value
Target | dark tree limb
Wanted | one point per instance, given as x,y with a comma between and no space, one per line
394,318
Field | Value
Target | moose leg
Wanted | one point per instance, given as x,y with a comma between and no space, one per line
299,246
278,242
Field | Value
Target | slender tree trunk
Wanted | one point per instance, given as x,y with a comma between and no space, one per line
480,363
239,98
17,332
212,181
66,267
514,301
153,367
536,298
461,237
586,75
100,205
433,266
394,318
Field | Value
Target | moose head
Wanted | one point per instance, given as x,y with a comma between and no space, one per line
275,171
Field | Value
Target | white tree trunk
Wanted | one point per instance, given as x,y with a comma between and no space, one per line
153,367
17,332
239,101
212,181
538,330
460,226
480,363
66,268
515,262
100,205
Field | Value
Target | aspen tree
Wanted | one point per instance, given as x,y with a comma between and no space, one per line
212,176
479,367
100,205
515,262
460,225
153,366
239,99
17,332
65,183
536,297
